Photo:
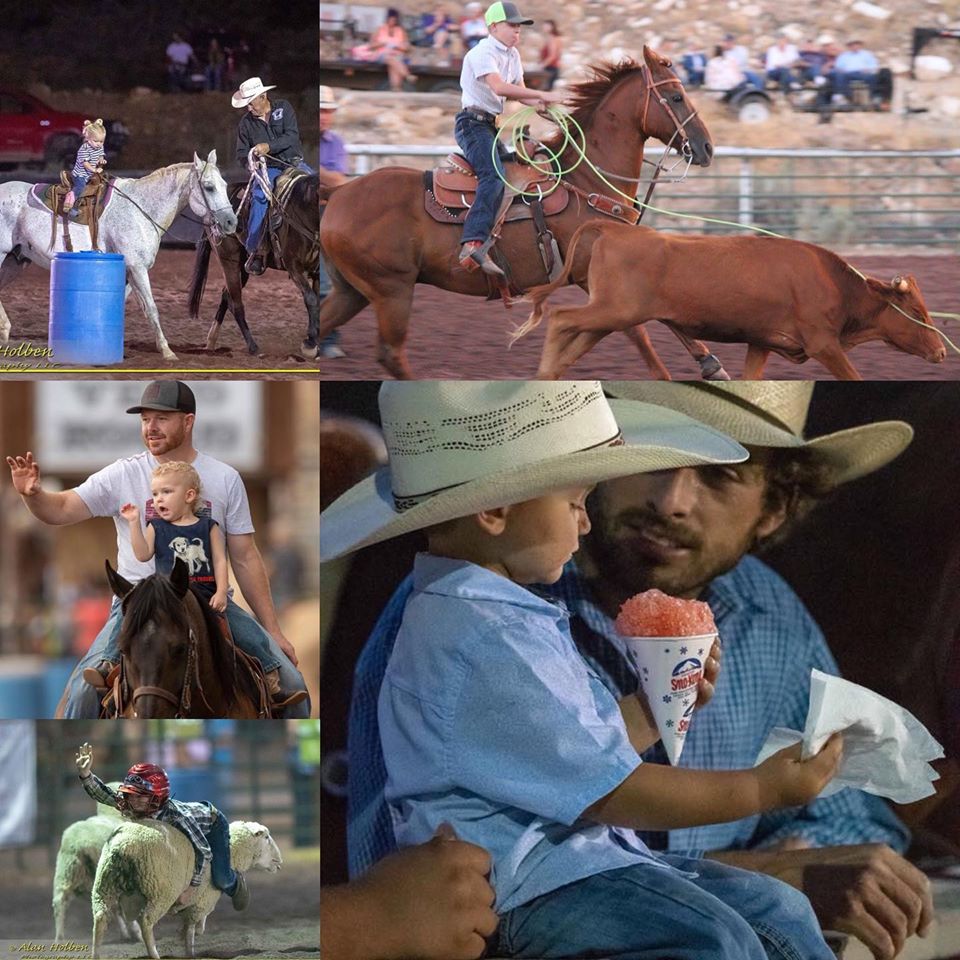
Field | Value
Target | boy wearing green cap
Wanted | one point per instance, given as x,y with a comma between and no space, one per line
492,73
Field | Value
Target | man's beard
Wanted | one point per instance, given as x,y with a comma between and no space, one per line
617,569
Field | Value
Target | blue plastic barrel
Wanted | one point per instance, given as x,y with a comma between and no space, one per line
56,673
195,785
86,308
21,688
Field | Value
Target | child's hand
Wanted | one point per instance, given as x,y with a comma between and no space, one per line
788,781
84,760
219,601
188,896
25,474
130,512
711,670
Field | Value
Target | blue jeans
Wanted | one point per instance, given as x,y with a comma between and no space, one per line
79,185
648,913
332,338
222,874
258,206
475,138
82,702
843,79
782,75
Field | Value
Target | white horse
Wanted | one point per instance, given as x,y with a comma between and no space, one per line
132,224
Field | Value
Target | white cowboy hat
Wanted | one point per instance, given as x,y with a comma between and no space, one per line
327,99
457,447
768,414
249,90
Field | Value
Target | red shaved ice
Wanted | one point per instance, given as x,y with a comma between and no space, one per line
654,613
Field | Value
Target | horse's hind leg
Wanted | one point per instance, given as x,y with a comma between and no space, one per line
567,340
140,281
641,340
213,334
755,363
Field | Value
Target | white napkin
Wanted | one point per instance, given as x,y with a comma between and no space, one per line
886,750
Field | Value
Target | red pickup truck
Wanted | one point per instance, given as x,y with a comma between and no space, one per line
35,135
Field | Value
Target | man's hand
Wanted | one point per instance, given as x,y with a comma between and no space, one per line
25,474
866,890
286,646
711,670
261,149
84,760
432,901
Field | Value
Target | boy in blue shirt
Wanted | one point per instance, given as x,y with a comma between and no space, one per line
490,720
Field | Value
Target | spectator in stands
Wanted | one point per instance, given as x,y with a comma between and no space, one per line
216,61
855,63
551,52
473,27
742,56
436,31
388,45
781,58
816,59
180,59
723,72
333,157
694,61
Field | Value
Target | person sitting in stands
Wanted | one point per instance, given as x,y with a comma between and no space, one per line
855,63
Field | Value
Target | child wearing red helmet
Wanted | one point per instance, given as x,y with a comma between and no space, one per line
145,794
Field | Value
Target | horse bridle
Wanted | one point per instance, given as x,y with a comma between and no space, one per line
191,674
213,226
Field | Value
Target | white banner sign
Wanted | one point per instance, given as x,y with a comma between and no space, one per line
81,425
18,785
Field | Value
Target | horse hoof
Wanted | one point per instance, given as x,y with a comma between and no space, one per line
712,369
252,348
310,351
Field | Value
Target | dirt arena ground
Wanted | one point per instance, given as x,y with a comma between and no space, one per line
282,920
275,313
457,336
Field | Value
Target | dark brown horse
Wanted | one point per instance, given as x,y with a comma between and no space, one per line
175,662
298,237
379,241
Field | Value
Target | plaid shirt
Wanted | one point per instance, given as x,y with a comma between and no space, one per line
193,819
770,644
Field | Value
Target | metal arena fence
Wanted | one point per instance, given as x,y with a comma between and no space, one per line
871,198
251,770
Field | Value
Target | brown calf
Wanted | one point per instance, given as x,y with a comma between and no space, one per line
793,298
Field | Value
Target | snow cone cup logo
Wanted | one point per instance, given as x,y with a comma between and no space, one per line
669,640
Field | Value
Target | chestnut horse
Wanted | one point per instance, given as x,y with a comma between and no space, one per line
379,241
175,662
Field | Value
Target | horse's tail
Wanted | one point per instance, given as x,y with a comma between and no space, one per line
199,282
536,295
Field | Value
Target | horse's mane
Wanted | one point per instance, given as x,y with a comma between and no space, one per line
588,94
154,596
163,171
304,202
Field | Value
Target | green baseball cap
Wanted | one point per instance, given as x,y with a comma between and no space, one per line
504,10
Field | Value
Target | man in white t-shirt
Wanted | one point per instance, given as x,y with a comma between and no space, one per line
167,411
779,63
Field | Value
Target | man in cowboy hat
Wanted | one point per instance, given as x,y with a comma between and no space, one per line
483,669
167,412
689,531
268,128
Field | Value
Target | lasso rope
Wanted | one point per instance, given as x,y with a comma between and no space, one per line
565,122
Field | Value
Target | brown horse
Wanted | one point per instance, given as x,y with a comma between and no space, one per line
379,241
777,295
175,662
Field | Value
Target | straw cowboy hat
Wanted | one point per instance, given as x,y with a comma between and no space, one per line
250,90
327,99
457,447
769,414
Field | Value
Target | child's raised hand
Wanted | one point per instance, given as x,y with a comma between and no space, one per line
788,781
84,760
25,474
130,512
219,601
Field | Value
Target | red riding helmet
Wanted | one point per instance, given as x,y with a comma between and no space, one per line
148,780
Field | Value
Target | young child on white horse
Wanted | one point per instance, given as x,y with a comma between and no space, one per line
90,160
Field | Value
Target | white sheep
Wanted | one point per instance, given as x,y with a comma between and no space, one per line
77,858
146,865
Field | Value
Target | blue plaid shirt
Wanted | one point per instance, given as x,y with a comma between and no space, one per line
770,644
192,819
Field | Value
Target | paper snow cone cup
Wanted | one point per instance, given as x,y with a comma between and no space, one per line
670,670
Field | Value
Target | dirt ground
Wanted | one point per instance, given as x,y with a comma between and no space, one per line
281,921
457,336
275,313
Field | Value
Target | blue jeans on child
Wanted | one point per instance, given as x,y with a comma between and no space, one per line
258,206
222,874
647,913
79,185
475,138
83,704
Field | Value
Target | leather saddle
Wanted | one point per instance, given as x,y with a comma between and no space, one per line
90,205
281,195
452,186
